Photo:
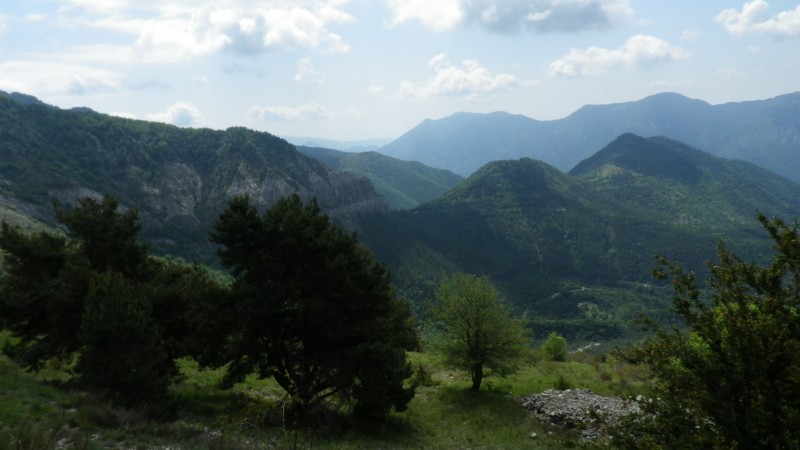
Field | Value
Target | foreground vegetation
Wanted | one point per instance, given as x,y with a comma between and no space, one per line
36,412
130,350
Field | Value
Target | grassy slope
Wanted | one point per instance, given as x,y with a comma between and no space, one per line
444,414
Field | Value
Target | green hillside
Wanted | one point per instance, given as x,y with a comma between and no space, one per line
180,179
576,250
404,184
573,250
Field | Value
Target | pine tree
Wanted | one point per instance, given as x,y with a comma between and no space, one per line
313,309
122,351
97,294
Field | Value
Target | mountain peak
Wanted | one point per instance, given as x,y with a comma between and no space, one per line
23,99
498,181
763,132
657,156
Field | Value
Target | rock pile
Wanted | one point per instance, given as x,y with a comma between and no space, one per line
573,408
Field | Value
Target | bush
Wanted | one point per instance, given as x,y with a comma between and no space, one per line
732,379
555,347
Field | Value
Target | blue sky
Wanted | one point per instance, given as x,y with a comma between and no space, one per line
369,69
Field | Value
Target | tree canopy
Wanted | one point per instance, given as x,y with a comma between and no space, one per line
95,293
732,380
476,329
312,308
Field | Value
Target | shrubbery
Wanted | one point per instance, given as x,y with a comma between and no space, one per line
96,293
309,306
555,347
732,380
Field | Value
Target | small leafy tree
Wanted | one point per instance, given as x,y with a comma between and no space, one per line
312,308
732,380
555,347
476,330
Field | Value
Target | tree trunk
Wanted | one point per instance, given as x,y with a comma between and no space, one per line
477,376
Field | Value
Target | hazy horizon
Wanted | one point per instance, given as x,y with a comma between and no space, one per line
353,70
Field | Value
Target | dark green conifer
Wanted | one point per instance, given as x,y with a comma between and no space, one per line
313,309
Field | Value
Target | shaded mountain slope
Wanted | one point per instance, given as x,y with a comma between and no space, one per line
555,241
404,184
681,186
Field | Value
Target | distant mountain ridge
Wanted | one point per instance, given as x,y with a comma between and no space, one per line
763,132
360,145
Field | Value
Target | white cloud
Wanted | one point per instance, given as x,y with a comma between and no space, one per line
179,30
757,18
440,15
309,111
182,114
307,73
638,51
298,27
375,90
470,80
46,78
512,15
124,115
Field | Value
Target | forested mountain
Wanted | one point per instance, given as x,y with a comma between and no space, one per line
404,184
579,247
764,132
573,250
179,179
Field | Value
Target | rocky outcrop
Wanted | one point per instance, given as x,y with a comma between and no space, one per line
575,408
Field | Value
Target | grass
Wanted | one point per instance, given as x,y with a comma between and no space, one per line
39,412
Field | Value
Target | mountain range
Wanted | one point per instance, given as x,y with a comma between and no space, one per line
764,132
572,250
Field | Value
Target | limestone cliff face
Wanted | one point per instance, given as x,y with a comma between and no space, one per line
179,195
179,179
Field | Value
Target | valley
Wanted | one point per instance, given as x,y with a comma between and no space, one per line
570,239
573,250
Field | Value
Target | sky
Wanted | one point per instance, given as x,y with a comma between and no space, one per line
373,69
